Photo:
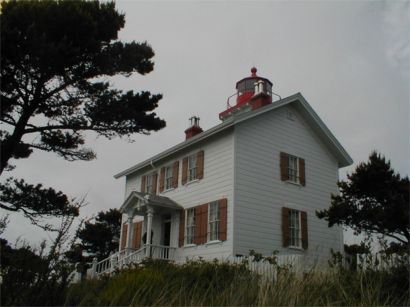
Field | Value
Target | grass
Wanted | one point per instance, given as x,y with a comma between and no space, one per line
200,283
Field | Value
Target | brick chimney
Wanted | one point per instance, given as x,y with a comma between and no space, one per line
193,129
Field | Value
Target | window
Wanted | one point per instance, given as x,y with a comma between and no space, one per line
295,238
213,225
294,228
293,170
168,178
190,226
192,167
149,184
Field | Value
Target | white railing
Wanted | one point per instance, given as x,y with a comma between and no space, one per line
132,257
127,257
161,252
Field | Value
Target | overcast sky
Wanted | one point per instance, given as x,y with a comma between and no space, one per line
350,60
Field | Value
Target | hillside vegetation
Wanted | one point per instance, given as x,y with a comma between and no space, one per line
202,283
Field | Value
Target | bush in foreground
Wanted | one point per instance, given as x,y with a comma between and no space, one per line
215,284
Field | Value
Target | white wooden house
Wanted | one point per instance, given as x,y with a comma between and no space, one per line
253,182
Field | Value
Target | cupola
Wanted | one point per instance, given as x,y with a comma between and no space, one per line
252,93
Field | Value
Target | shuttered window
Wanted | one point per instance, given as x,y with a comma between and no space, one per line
292,169
193,167
204,223
294,228
168,177
149,183
190,226
213,221
295,236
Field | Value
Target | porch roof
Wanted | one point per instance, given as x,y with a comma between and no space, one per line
138,202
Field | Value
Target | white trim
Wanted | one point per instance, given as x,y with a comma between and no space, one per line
336,148
165,191
189,245
213,242
191,182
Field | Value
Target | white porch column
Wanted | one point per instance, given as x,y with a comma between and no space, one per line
129,233
150,215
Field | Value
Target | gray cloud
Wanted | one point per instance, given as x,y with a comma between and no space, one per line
347,58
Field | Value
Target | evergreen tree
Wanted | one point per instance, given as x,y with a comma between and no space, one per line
373,200
56,57
101,238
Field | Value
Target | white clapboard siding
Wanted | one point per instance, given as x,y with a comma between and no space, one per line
216,184
260,194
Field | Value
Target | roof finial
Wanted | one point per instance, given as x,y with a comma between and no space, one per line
253,71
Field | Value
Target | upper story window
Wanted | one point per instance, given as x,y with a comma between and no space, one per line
149,183
213,221
193,167
292,169
168,177
148,186
190,226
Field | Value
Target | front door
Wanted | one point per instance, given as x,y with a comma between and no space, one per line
166,239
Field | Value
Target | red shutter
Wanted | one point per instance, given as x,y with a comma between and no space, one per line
285,226
143,179
304,229
154,183
162,180
201,224
136,240
223,218
175,172
181,228
200,164
284,165
302,178
124,236
184,170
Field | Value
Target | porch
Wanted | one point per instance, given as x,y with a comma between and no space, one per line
154,235
125,258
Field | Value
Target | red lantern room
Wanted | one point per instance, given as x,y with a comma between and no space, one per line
252,92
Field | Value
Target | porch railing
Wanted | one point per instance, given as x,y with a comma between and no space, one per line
127,257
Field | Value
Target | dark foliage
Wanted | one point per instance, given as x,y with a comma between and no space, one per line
31,278
35,201
54,56
101,238
374,200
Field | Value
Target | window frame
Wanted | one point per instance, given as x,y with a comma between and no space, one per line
192,169
293,171
168,184
214,234
189,238
295,229
149,183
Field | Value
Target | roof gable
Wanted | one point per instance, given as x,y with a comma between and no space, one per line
297,100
